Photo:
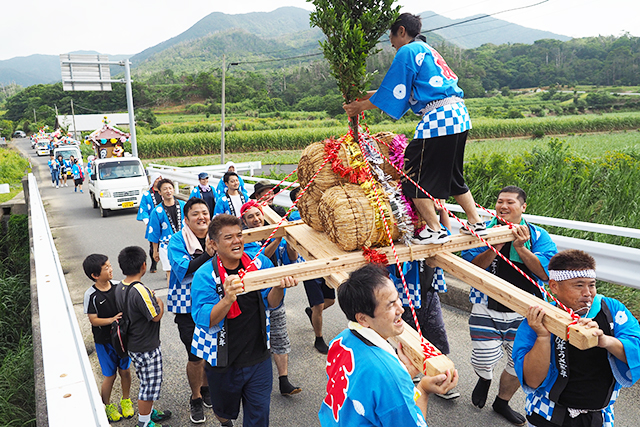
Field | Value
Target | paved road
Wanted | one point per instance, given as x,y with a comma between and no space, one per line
79,230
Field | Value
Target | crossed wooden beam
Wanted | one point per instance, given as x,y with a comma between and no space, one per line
325,259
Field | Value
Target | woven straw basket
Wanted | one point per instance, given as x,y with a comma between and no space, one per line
386,167
311,160
308,208
348,218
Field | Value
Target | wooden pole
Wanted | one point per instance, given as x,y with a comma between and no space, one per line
556,320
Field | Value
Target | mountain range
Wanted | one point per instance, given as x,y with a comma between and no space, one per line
252,38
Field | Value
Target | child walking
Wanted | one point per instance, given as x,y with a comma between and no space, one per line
144,311
100,306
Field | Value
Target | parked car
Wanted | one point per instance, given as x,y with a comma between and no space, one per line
42,148
117,183
19,134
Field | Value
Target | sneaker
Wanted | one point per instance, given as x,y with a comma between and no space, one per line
127,408
112,413
149,424
81,191
57,186
197,411
450,395
206,397
75,190
480,228
66,185
53,184
160,415
429,237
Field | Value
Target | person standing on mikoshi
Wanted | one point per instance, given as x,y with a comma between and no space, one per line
150,199
492,325
419,79
165,220
205,192
566,386
222,186
188,251
233,199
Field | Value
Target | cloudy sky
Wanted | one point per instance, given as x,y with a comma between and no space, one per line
130,26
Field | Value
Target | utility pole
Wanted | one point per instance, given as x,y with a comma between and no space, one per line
35,119
224,69
73,115
132,118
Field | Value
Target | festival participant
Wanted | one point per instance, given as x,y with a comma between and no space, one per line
566,386
63,170
280,254
78,177
205,192
165,220
420,79
187,251
369,384
221,188
232,327
150,199
319,295
233,198
54,168
491,324
261,188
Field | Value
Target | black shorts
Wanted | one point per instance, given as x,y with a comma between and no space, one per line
186,326
317,291
77,181
437,165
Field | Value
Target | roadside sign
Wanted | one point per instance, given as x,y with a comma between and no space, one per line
85,72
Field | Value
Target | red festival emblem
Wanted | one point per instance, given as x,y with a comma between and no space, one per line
339,366
440,62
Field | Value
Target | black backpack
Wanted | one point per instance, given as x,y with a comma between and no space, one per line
120,328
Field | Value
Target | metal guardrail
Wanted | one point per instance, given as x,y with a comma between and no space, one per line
614,263
72,397
217,170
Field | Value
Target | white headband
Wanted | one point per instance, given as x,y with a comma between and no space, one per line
560,275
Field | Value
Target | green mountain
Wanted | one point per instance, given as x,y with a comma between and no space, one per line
284,20
477,32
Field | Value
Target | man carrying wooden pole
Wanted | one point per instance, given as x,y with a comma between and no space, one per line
493,325
566,386
368,383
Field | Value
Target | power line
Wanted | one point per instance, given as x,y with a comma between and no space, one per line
484,16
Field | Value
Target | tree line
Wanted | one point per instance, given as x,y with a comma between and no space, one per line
483,71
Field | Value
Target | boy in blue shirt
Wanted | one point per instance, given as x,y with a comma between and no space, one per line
100,306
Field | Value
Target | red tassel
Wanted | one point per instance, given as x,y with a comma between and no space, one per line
374,257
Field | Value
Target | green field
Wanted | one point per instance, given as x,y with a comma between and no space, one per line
12,168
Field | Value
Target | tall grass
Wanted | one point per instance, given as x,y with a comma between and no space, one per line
12,169
202,143
17,395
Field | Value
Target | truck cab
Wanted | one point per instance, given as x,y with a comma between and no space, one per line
117,183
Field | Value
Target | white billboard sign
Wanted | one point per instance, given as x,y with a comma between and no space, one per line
85,72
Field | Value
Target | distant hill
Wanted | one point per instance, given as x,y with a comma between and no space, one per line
259,36
284,20
482,31
39,69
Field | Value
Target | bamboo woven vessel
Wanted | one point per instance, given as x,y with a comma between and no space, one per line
348,218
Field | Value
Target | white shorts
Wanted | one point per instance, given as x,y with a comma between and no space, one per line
164,258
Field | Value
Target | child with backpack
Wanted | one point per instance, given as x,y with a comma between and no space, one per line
143,310
100,307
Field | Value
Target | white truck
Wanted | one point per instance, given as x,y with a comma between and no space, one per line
117,183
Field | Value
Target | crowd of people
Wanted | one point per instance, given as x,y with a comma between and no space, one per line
230,335
62,169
